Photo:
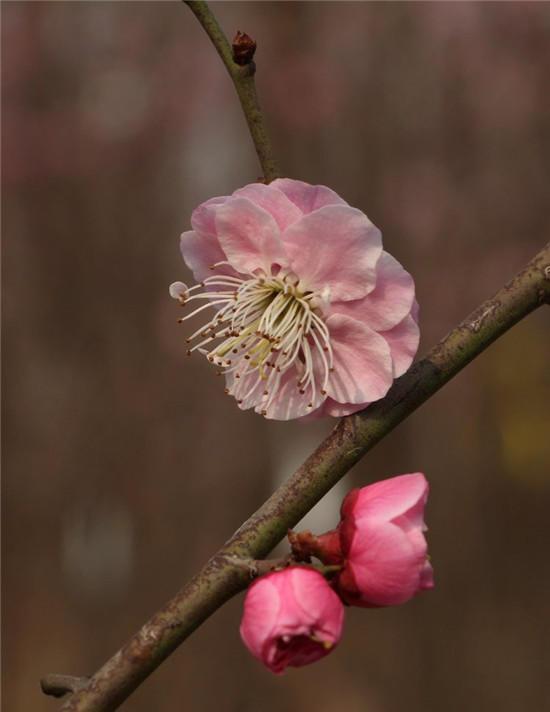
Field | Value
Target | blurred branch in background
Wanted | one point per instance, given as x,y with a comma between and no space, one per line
239,63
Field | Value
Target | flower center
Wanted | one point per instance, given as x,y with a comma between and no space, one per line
263,327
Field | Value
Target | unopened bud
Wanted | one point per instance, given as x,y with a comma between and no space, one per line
244,48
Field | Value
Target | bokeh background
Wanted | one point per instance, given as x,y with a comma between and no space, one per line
126,466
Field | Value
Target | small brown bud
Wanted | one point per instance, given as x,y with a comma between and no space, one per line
244,48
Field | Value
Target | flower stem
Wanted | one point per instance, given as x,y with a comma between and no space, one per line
326,569
352,438
242,76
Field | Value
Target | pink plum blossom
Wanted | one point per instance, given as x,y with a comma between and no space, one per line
379,543
291,618
312,316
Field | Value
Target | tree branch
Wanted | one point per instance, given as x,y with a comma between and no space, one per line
223,576
242,76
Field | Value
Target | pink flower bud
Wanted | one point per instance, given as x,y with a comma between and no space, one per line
291,617
383,545
379,543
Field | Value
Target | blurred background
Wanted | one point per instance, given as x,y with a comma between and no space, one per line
126,466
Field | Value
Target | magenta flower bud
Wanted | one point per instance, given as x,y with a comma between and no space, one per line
379,543
382,541
291,618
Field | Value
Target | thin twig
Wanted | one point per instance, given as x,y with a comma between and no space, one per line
242,76
354,436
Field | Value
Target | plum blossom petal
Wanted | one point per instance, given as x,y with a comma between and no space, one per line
318,604
391,498
286,403
390,301
362,362
249,236
307,197
200,252
244,388
403,341
272,200
335,248
289,403
385,563
332,408
200,247
262,611
203,218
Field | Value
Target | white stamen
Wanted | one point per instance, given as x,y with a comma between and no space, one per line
264,326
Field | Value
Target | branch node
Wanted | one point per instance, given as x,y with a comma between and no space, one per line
60,685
